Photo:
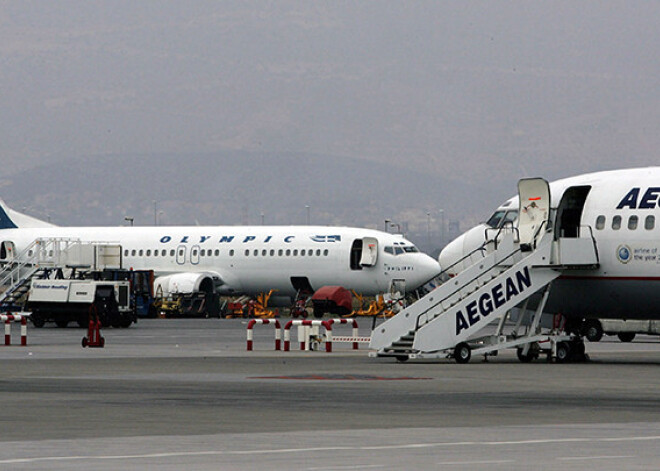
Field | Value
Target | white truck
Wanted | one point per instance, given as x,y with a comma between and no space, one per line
72,300
624,329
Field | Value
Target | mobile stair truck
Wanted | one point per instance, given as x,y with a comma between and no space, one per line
51,278
515,264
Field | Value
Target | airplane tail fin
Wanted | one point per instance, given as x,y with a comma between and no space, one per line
10,219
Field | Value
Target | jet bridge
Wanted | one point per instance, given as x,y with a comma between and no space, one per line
518,262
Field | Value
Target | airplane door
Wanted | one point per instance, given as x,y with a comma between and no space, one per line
369,252
194,254
181,254
7,251
569,211
534,210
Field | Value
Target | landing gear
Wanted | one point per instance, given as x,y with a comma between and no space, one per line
462,353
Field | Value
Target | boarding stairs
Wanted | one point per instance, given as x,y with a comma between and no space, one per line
38,260
447,321
458,310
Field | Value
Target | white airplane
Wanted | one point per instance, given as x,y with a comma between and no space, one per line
621,210
245,259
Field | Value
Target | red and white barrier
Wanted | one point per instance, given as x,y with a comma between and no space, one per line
251,325
329,339
8,318
304,337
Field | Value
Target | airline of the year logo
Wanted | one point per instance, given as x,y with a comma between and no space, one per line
246,239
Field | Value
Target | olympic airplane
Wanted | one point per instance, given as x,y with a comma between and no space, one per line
620,210
245,259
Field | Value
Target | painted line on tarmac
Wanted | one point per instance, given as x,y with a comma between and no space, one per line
328,449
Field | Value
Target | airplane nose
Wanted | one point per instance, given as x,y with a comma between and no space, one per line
429,268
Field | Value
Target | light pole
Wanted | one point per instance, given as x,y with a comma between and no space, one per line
155,213
387,225
428,230
442,227
129,220
262,218
307,208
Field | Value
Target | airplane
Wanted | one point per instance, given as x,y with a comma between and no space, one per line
232,260
620,209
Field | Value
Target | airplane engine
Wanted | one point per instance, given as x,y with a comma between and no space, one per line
187,283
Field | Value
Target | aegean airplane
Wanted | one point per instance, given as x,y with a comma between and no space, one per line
620,209
245,259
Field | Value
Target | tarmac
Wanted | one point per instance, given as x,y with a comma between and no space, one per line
185,393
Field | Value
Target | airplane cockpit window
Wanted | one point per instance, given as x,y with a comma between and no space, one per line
649,223
398,250
500,218
410,249
511,216
600,222
495,219
389,250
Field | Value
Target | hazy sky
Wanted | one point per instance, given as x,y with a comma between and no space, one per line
487,92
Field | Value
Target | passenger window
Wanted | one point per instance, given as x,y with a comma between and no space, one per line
133,253
126,253
231,253
600,222
247,253
288,252
217,252
141,252
318,252
272,252
325,252
649,223
280,252
632,222
148,253
202,253
616,223
172,253
256,252
295,252
264,252
302,252
181,252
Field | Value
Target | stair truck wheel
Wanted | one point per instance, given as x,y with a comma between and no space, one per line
61,323
626,336
526,358
462,353
593,331
37,319
563,352
402,358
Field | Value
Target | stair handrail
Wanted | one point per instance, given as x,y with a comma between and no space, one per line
40,247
